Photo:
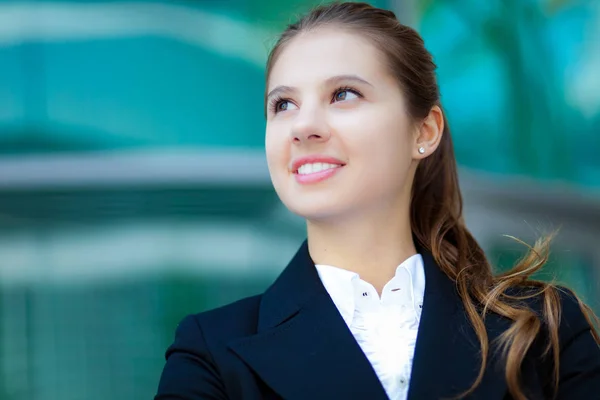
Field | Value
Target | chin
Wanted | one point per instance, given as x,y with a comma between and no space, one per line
316,210
314,203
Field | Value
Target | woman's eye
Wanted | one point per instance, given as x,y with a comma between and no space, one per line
283,105
343,95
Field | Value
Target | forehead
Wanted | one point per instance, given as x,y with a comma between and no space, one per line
317,55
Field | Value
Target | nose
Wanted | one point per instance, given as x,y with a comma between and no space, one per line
310,125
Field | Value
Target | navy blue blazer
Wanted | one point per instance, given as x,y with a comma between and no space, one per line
292,343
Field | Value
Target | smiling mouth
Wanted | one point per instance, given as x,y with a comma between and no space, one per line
313,168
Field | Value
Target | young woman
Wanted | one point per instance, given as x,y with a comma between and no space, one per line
390,296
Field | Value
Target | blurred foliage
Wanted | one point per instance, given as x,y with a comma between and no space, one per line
542,128
87,311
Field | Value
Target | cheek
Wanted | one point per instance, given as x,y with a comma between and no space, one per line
277,150
386,144
383,160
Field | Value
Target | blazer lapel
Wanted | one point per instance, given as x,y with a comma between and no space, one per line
447,354
303,348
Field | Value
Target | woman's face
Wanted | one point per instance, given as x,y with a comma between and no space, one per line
338,137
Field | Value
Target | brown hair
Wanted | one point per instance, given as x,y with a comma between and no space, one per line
436,206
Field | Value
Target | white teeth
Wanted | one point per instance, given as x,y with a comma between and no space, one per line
315,167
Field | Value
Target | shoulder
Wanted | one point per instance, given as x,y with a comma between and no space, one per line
571,319
199,350
575,328
561,313
224,323
237,317
209,332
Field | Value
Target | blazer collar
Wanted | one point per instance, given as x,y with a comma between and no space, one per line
303,348
296,285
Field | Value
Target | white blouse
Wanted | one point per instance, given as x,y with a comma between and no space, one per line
386,328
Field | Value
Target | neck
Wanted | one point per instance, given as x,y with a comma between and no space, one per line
372,246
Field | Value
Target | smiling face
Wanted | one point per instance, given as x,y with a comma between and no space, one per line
338,139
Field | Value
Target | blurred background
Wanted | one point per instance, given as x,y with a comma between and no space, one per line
134,190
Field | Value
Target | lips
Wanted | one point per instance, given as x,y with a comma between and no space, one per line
315,163
314,169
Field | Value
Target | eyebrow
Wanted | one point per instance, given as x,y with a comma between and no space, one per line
329,81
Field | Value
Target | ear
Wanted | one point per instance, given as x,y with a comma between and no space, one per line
429,133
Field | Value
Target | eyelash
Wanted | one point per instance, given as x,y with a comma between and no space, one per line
274,103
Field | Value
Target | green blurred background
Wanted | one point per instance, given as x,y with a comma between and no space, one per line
133,186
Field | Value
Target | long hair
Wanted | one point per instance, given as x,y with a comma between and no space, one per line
436,205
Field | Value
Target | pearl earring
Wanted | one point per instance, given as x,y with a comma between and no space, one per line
421,150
